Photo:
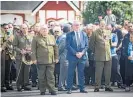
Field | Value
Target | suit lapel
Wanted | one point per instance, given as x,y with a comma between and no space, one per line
74,38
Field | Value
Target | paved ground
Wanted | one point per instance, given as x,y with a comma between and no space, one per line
35,93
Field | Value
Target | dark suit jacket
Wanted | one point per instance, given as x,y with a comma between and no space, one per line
125,43
72,48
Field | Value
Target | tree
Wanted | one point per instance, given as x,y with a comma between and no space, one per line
122,9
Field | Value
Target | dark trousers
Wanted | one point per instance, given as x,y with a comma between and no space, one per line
22,73
34,73
115,72
80,68
128,82
2,68
8,64
57,73
122,68
90,73
13,71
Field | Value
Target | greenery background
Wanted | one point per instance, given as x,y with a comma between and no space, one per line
122,9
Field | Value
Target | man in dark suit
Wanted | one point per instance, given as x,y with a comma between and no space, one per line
77,45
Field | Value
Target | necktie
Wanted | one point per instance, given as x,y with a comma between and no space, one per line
78,39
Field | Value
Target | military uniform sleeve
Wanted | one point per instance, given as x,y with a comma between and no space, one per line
2,40
34,48
16,43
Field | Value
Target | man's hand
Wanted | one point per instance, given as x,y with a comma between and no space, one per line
35,62
56,60
79,54
28,48
130,58
23,51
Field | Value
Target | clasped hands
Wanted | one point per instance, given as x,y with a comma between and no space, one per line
79,54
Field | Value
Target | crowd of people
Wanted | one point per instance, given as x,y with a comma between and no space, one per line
67,56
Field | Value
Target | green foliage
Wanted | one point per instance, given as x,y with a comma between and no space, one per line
122,9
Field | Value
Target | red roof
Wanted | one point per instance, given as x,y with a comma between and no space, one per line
53,5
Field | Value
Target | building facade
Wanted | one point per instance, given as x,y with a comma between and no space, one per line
40,11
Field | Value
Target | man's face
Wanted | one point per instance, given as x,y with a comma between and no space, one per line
109,12
52,25
130,27
102,25
131,38
89,30
24,28
76,26
37,27
10,27
44,31
6,28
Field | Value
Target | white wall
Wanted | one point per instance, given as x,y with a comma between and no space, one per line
62,14
6,18
71,16
51,14
42,16
30,19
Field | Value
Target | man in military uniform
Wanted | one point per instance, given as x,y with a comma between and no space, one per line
2,51
37,28
8,55
100,46
22,46
45,55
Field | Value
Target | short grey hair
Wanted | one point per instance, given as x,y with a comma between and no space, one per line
89,26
